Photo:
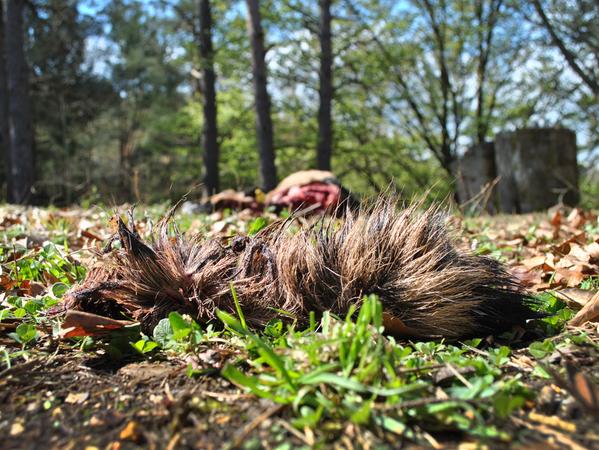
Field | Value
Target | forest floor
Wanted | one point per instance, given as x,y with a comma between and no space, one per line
339,384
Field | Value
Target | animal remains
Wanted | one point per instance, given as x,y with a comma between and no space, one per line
428,286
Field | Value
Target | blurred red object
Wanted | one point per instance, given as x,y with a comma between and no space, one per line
322,195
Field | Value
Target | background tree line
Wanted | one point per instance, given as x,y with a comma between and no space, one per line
142,100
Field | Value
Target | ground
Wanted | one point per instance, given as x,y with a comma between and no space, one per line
339,384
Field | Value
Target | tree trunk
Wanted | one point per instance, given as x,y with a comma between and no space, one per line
210,131
3,99
126,171
268,170
20,142
325,90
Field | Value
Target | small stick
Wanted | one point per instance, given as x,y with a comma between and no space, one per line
253,424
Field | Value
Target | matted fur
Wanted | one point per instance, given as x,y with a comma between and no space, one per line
406,257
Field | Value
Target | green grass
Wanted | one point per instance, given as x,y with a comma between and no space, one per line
343,370
337,371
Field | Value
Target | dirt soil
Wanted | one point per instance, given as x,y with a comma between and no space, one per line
73,401
62,398
77,400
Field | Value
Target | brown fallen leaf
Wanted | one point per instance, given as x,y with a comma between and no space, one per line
563,247
143,371
90,235
534,262
526,276
116,445
131,432
589,313
74,398
31,288
556,219
569,277
592,250
571,262
579,386
6,283
579,252
79,323
576,218
513,242
575,296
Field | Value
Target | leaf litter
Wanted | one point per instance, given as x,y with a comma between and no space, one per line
340,384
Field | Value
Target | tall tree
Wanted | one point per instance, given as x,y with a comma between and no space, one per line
268,170
147,81
452,47
210,131
325,88
569,77
65,96
574,30
486,16
3,98
20,143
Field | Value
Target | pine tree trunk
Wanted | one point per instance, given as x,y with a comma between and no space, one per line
210,131
21,171
325,90
268,171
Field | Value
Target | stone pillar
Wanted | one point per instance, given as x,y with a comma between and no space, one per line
537,167
474,170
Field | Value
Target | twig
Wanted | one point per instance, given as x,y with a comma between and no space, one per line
224,395
459,376
293,431
544,429
253,424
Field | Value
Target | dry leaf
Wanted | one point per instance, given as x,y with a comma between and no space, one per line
552,421
90,235
526,276
579,386
568,277
580,253
589,313
78,323
576,218
575,296
76,398
593,251
16,428
534,262
556,220
131,432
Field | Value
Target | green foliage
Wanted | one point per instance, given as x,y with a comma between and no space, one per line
144,345
117,96
21,266
558,314
334,372
589,189
347,370
25,333
256,225
177,332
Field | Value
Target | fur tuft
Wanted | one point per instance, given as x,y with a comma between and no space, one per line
428,287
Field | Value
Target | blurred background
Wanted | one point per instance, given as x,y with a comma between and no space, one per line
145,100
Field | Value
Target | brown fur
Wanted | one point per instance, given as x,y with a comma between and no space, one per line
426,284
